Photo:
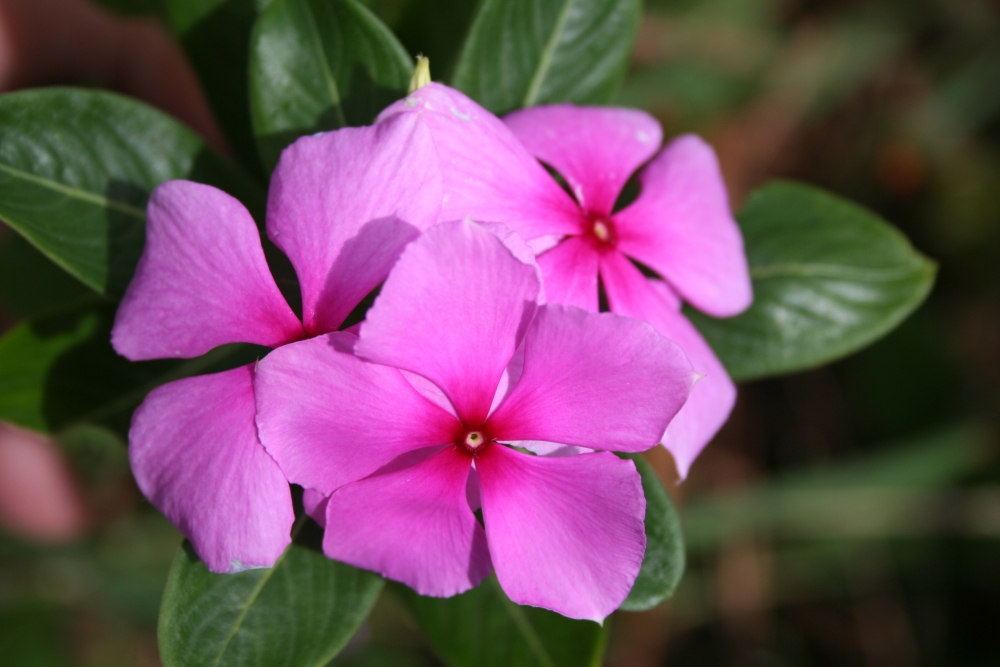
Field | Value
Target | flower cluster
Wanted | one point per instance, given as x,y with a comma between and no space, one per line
483,379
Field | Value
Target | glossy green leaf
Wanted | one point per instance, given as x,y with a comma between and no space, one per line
215,35
319,65
300,612
483,628
76,169
829,278
520,53
663,562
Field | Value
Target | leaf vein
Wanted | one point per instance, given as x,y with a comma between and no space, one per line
76,193
545,62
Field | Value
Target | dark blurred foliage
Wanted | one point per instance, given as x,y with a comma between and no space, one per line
849,515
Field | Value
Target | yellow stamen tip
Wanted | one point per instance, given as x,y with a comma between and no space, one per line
421,75
601,231
474,440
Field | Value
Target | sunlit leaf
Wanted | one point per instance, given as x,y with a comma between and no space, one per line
300,612
829,278
320,65
663,562
520,53
76,168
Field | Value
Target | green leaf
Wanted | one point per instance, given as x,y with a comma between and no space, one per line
300,612
829,278
76,169
520,53
215,35
483,628
59,370
30,284
320,65
27,352
663,562
436,29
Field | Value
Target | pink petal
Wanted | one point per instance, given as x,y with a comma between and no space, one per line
329,418
453,310
681,227
487,173
202,280
570,272
314,503
413,525
592,380
596,149
712,399
195,455
519,248
342,206
565,533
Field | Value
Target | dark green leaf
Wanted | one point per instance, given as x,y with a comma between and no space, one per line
30,284
483,628
520,53
215,35
135,7
829,278
663,563
59,370
300,612
26,356
76,168
319,65
436,29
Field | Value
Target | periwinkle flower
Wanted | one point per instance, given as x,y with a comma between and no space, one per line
457,362
680,225
341,205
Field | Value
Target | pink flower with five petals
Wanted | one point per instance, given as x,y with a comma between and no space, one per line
680,226
458,360
341,205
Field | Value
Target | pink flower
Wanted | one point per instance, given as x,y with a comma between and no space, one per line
341,206
457,359
680,226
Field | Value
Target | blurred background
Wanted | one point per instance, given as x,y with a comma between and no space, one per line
848,515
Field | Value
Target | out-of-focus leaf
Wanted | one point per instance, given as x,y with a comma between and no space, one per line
829,278
893,493
215,35
694,94
76,168
95,453
483,628
29,636
135,7
436,29
663,562
300,612
520,53
319,65
59,370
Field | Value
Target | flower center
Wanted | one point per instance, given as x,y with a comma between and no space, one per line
602,231
474,440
